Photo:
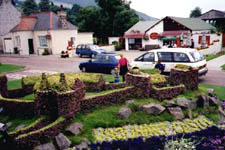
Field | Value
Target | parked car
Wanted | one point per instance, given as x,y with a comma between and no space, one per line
89,50
170,57
102,63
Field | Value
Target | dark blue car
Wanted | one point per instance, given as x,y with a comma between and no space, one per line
102,63
89,50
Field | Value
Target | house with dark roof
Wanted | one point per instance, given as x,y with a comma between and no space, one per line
45,31
173,31
216,18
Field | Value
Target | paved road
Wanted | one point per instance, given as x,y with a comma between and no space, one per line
53,63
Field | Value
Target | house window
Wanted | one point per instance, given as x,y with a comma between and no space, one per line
18,43
43,41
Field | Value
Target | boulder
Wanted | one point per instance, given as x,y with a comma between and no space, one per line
62,141
176,112
203,101
130,102
153,108
210,92
83,146
20,127
193,104
74,128
213,101
124,113
170,103
47,146
183,102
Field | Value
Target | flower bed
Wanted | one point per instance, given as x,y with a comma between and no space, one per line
16,107
189,78
109,86
108,99
158,129
167,92
33,138
158,142
141,82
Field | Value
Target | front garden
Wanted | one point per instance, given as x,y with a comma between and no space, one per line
148,111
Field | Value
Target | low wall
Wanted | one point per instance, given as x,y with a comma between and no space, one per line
110,48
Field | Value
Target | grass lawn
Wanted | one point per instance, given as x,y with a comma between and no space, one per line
210,57
14,84
9,68
223,67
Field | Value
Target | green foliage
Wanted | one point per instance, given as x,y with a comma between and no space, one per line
168,87
182,67
44,85
28,97
44,5
218,90
196,12
75,140
58,121
73,13
210,57
181,144
150,71
45,52
9,68
110,78
54,8
223,67
157,78
118,47
63,87
135,71
29,6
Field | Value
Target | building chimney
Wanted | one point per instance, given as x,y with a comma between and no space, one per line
62,19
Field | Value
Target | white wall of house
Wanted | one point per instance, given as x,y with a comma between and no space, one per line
109,48
84,38
214,48
112,39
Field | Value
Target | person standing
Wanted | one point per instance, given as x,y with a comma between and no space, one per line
160,66
123,66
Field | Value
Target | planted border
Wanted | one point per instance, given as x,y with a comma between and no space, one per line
167,92
33,138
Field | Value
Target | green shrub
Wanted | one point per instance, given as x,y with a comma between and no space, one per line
150,71
118,47
141,49
135,71
157,78
182,144
115,42
45,52
223,67
182,67
44,85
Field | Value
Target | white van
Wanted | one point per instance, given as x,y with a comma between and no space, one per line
170,57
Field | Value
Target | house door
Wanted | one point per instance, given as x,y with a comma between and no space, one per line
223,40
31,46
8,45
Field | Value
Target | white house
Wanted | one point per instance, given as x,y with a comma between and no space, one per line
171,31
46,31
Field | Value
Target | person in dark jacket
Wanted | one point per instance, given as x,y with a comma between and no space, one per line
160,66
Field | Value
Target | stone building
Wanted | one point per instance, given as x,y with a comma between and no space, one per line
9,18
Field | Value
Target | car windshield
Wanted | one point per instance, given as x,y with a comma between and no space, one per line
117,57
197,56
94,47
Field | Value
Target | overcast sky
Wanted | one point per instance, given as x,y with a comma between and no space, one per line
178,8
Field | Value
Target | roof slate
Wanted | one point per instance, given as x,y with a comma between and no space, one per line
43,21
195,24
141,26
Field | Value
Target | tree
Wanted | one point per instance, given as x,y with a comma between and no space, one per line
196,12
54,8
29,7
73,13
44,5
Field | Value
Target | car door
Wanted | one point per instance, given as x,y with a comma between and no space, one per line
146,61
94,64
107,64
166,59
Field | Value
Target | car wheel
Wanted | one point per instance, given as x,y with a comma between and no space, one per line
112,71
92,55
83,69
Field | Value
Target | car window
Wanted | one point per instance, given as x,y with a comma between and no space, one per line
96,59
197,56
165,56
94,47
82,46
87,47
180,57
117,57
79,47
149,57
106,59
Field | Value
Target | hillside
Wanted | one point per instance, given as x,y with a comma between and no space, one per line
85,3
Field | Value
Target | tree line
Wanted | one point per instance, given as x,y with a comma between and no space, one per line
110,18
